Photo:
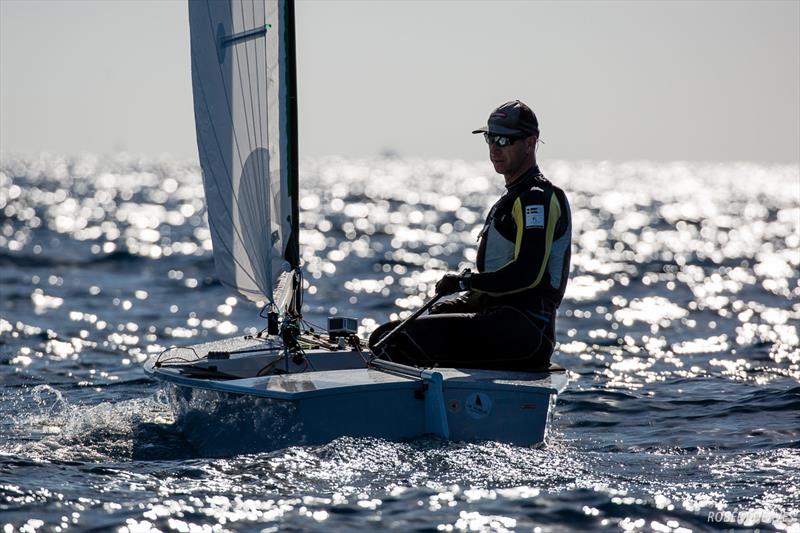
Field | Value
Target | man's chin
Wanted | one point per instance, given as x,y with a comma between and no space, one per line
499,167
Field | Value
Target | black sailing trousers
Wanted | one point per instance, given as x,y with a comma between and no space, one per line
499,338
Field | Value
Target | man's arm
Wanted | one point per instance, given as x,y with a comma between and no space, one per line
466,303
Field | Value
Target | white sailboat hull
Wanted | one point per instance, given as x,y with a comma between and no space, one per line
250,414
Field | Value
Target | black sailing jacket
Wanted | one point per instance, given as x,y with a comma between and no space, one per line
524,248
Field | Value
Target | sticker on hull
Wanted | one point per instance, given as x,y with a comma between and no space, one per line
478,405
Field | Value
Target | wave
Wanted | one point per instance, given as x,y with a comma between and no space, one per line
50,261
54,429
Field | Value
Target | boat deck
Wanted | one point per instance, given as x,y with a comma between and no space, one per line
296,386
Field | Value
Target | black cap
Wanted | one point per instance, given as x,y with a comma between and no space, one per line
512,118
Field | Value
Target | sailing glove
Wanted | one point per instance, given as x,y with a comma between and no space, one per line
463,304
449,284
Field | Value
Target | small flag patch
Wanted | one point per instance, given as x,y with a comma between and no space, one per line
534,216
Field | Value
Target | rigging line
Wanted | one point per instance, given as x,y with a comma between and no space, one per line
235,139
177,357
200,138
320,328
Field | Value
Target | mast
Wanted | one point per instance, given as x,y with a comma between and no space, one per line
293,246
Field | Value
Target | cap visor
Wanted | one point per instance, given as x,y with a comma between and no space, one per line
481,130
499,130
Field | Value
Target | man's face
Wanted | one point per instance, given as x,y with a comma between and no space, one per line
508,160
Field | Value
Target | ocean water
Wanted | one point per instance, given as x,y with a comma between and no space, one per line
679,330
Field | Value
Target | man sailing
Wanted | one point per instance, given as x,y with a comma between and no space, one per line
506,317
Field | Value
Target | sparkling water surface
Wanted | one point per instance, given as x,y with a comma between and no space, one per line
679,330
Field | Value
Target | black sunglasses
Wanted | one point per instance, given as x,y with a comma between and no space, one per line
500,140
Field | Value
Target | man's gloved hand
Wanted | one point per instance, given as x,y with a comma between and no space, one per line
450,306
449,284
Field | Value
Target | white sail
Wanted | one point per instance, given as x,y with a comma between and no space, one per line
242,77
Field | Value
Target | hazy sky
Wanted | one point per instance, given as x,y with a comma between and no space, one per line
623,80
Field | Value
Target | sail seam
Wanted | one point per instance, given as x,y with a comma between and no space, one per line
211,224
